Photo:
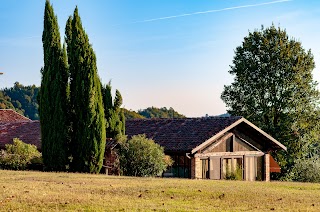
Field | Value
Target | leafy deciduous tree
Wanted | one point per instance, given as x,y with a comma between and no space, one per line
273,87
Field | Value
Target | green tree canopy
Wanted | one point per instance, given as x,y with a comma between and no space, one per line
130,114
5,101
21,98
273,87
153,112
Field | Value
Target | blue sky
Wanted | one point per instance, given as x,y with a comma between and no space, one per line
180,62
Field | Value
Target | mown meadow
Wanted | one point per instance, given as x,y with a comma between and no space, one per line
45,191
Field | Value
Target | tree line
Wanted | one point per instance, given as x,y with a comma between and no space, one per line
24,100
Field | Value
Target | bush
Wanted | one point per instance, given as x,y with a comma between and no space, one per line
233,175
140,156
306,170
19,155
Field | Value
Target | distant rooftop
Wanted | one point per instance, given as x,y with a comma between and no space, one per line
28,132
179,134
9,115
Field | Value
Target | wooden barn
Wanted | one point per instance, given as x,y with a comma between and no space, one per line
212,147
202,148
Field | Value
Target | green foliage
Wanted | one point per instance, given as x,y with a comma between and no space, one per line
140,156
273,88
306,167
19,155
233,174
88,135
130,114
5,101
306,170
153,112
115,119
53,96
22,99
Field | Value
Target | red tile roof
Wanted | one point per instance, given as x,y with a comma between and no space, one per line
8,115
182,135
179,134
28,132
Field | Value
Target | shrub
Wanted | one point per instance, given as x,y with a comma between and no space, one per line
19,155
141,156
233,175
306,170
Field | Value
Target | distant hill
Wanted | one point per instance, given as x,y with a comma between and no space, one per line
22,99
130,114
224,115
152,112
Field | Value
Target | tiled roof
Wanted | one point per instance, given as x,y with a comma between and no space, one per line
179,134
28,132
8,115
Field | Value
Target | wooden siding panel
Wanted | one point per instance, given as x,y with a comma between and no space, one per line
222,147
238,145
215,168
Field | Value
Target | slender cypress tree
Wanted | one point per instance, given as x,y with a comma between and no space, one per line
53,96
115,120
88,123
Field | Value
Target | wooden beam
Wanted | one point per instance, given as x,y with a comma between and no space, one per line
248,139
222,154
217,142
265,134
251,145
204,144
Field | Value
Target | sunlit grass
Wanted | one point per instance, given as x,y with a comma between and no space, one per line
36,191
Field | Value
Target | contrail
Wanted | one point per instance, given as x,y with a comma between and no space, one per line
210,11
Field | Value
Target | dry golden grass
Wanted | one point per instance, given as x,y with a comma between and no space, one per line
40,191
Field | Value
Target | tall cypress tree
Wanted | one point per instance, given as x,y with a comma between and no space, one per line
115,120
88,123
53,96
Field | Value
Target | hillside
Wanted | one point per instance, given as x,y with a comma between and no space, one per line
154,112
21,98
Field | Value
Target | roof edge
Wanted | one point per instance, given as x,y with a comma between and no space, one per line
18,114
234,125
219,134
265,134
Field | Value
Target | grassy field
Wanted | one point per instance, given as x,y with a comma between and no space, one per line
39,191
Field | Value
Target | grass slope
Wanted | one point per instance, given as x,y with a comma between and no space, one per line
40,191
